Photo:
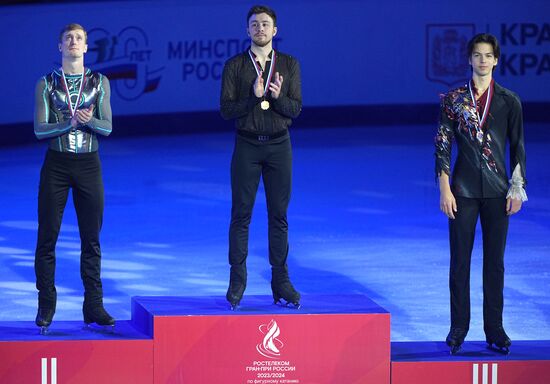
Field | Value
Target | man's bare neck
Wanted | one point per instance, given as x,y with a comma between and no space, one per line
73,67
481,83
261,52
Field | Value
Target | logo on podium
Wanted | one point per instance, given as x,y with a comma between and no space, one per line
271,345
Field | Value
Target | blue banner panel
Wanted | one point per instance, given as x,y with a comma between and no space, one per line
167,56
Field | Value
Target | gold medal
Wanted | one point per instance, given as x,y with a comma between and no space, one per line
264,104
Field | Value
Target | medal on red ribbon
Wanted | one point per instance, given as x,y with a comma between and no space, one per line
483,118
72,109
264,105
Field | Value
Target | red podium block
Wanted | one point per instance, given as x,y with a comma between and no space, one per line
331,339
70,354
430,363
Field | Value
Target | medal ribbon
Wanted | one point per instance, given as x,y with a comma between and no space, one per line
65,84
487,103
259,69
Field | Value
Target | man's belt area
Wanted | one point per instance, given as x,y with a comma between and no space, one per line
262,138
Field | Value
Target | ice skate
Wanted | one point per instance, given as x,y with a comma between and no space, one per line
498,340
237,286
235,294
284,293
44,318
455,339
98,315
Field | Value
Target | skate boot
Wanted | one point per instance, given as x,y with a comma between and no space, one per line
455,339
497,339
284,293
96,313
44,318
237,285
235,294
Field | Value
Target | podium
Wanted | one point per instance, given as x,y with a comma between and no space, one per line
430,363
331,339
72,354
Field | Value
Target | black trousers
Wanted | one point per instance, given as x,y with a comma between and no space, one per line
272,161
82,173
494,225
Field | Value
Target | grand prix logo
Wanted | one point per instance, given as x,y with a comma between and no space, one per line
446,52
124,58
270,346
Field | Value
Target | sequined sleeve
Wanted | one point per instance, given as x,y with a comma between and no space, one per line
43,129
101,123
444,138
